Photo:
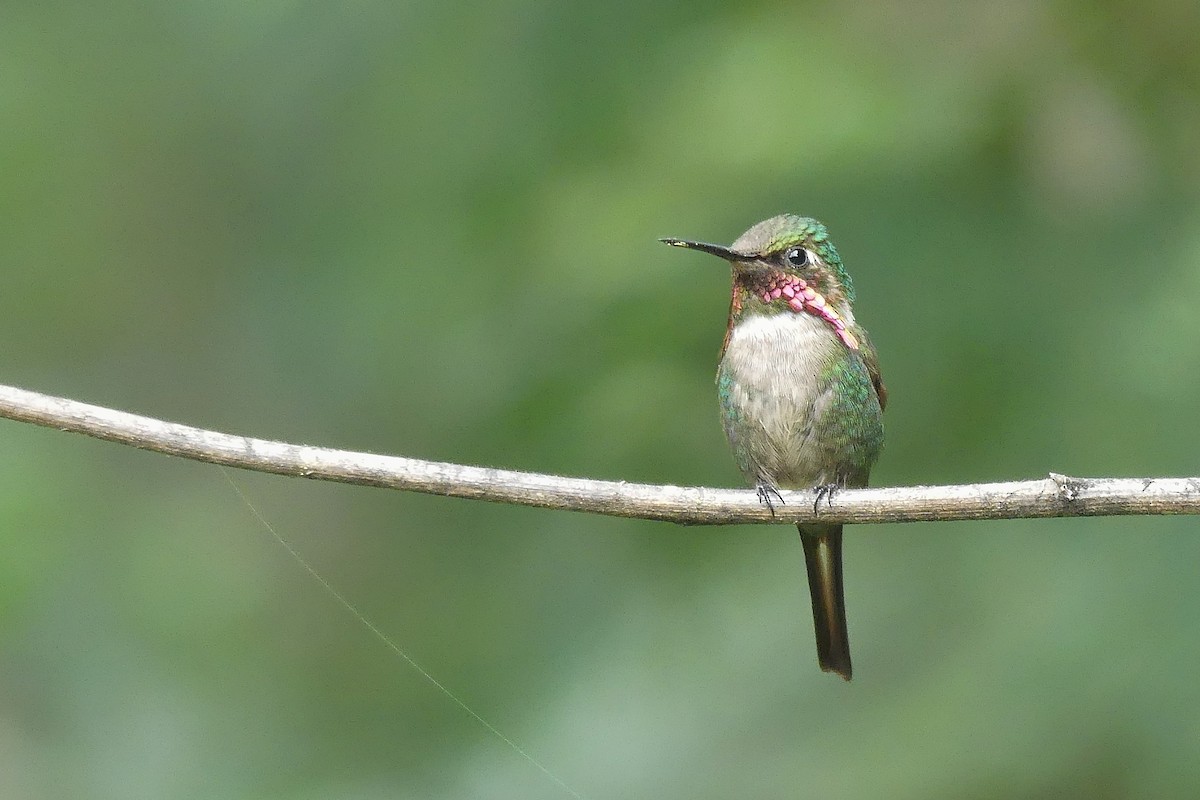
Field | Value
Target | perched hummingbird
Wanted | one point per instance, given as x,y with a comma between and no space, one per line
800,392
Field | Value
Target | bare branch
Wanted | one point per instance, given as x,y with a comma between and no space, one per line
1054,496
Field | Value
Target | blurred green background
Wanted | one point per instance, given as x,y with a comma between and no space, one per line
429,229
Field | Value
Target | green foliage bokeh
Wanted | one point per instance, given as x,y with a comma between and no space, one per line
429,229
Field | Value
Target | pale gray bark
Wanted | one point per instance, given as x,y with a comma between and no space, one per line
1053,496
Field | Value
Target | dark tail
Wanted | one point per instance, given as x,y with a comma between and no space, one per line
823,557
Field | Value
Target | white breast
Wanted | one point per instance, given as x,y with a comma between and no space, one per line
777,353
776,363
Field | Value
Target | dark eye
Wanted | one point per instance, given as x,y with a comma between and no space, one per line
797,256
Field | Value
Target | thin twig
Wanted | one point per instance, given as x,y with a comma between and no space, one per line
1053,496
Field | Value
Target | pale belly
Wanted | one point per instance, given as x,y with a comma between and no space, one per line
797,405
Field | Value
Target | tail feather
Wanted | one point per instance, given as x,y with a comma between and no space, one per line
823,558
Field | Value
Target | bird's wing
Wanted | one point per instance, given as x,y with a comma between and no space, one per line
866,349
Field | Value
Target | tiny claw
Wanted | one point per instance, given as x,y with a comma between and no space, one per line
765,490
824,492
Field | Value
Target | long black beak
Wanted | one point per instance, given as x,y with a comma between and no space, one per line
717,250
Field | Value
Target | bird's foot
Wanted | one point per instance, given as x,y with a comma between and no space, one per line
765,490
825,492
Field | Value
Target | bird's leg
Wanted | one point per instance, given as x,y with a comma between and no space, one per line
765,489
825,492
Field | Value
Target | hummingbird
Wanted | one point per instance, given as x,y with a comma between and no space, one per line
800,393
